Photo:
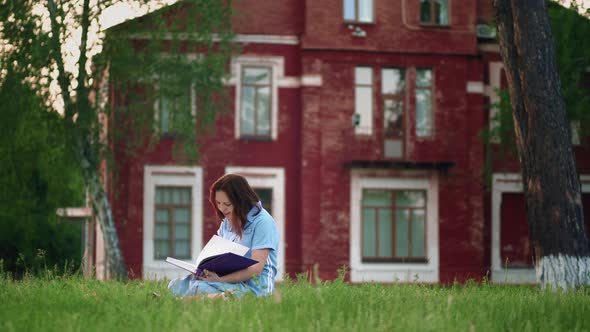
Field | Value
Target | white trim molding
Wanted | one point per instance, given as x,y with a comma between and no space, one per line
277,65
494,48
475,87
495,69
393,272
271,178
511,183
75,212
170,176
311,80
267,39
238,38
289,82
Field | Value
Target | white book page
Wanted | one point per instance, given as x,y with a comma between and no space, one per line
182,264
218,245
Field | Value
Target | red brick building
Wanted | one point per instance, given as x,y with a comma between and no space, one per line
358,123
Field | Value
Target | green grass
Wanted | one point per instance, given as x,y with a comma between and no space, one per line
75,304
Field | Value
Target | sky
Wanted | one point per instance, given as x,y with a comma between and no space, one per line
123,11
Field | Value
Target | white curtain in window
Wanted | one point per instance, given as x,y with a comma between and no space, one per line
365,11
363,96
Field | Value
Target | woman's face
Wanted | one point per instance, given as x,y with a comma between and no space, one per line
224,204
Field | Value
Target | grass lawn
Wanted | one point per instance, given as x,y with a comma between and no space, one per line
76,304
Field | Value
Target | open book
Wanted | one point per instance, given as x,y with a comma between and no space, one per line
219,255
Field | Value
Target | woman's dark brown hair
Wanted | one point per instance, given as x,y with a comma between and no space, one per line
241,196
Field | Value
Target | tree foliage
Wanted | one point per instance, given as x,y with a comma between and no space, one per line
572,49
183,60
61,45
36,178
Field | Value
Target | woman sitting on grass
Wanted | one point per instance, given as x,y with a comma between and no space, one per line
244,221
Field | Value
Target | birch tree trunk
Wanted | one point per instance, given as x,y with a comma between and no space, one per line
104,216
550,179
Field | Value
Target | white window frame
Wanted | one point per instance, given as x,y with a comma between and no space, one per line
393,272
511,183
269,178
170,176
276,64
365,112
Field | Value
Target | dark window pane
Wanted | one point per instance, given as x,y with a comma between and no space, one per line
515,244
384,233
423,78
161,249
376,198
425,15
418,228
162,215
247,114
369,231
182,249
265,195
442,12
393,118
256,76
401,232
162,232
263,108
182,215
182,232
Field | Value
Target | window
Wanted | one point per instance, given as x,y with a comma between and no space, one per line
173,108
434,12
363,96
172,236
515,244
424,118
393,225
255,114
257,80
392,92
511,254
358,11
172,218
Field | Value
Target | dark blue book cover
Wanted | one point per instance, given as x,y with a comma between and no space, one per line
225,263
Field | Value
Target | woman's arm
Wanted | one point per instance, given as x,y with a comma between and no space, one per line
259,255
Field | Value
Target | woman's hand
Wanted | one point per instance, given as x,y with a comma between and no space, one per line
209,276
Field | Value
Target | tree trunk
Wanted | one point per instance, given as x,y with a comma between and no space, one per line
102,212
550,179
